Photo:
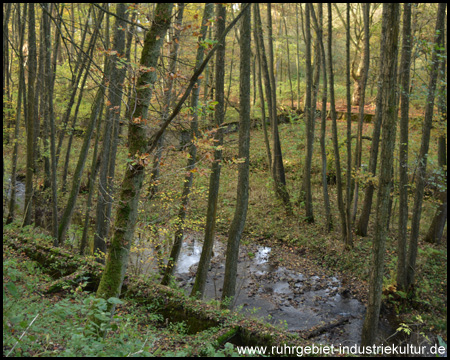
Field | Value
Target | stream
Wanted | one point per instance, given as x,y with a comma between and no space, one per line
274,293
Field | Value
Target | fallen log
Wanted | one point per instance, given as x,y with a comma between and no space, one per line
321,328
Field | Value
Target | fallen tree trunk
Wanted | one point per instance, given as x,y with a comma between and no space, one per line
320,329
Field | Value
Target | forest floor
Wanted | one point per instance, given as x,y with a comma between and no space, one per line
299,253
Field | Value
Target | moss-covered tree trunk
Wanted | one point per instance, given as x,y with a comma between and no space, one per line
390,30
240,214
210,227
12,200
115,76
405,65
348,233
31,113
128,199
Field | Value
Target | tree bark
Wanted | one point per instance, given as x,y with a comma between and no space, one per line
405,66
390,32
363,83
326,197
240,215
348,238
214,180
12,200
310,119
337,160
31,113
277,159
115,76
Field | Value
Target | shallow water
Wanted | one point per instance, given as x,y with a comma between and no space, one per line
274,293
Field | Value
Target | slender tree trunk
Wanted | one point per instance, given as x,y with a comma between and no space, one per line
405,66
348,238
309,217
277,159
298,55
49,114
423,154
117,260
337,160
178,239
391,19
261,95
240,215
205,257
363,82
115,75
326,198
32,66
95,166
288,57
363,222
12,200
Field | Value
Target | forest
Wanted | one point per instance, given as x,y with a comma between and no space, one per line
224,179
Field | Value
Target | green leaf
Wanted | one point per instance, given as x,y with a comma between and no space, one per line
115,301
12,289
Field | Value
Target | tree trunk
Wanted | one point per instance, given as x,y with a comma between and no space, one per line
337,160
348,233
363,83
423,154
31,113
309,217
178,240
326,198
361,228
261,94
205,257
115,76
117,260
390,30
240,215
92,175
405,66
277,159
12,200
